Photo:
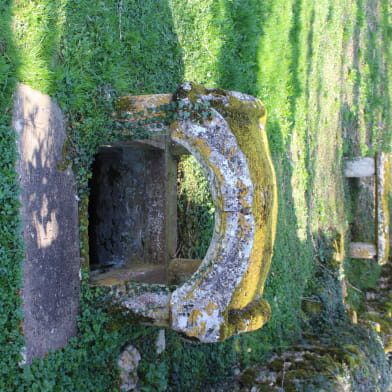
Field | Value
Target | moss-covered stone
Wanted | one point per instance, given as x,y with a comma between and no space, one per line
227,136
245,199
348,358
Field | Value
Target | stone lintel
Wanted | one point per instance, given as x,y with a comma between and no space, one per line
360,167
145,107
153,142
362,250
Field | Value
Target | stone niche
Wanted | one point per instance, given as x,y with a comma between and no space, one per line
132,211
133,228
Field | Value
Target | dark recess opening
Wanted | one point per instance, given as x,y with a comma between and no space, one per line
126,207
133,213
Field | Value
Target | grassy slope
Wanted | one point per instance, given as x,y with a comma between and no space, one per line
321,69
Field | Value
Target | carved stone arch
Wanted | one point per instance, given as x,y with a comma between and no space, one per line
224,295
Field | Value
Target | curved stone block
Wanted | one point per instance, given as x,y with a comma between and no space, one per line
232,148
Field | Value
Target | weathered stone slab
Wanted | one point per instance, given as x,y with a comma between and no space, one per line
360,167
50,225
362,250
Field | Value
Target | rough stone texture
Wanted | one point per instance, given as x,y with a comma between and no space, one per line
128,363
340,361
223,296
360,167
362,250
150,302
377,308
127,207
50,225
181,269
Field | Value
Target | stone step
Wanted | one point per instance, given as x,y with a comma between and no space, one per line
146,273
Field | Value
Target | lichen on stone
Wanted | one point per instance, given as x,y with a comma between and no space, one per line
227,136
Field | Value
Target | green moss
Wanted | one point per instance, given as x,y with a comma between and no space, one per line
248,378
83,227
239,320
66,161
276,365
120,318
312,307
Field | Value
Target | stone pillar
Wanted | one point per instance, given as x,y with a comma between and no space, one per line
383,181
50,225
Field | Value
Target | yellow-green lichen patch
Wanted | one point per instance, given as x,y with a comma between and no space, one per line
211,307
243,192
197,331
196,327
248,319
195,314
142,107
253,142
140,103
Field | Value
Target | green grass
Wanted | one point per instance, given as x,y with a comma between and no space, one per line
321,69
195,210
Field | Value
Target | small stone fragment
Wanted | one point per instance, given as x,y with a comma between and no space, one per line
161,342
128,363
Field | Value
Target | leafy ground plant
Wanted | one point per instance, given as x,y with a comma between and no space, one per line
320,67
